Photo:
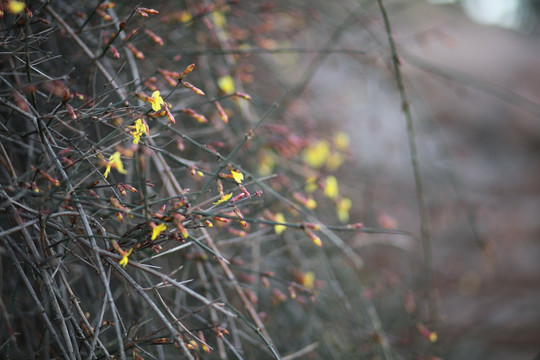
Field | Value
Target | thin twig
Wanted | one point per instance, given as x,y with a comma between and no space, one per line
424,226
65,352
154,307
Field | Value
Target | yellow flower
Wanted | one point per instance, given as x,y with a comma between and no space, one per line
156,230
308,280
123,253
15,7
115,162
266,164
334,161
341,140
219,19
237,176
124,260
343,206
316,154
331,189
226,84
156,100
223,198
185,17
311,204
140,128
311,184
279,218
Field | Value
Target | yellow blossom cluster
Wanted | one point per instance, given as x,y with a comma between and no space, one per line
140,128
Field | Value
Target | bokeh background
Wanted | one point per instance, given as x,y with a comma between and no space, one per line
470,70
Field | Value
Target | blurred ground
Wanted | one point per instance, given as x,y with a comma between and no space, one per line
478,142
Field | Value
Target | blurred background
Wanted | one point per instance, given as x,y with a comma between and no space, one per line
471,71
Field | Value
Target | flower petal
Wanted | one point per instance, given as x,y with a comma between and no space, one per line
279,218
158,230
331,189
237,176
223,198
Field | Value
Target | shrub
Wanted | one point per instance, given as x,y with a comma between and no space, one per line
158,203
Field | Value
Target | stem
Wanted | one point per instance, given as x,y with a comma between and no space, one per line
424,229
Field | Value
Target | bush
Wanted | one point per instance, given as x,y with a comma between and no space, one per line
162,200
